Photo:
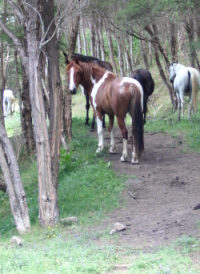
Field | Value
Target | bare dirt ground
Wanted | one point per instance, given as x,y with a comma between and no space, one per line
158,204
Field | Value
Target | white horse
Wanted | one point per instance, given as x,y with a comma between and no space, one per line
186,82
8,101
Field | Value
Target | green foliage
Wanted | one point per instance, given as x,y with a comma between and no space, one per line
88,187
188,128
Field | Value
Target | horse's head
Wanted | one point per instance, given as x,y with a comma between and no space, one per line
74,72
172,72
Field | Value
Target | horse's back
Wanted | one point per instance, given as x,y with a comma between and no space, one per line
143,76
8,92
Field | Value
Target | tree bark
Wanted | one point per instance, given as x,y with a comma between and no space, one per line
190,31
173,43
55,90
67,96
110,43
120,57
48,208
102,47
17,195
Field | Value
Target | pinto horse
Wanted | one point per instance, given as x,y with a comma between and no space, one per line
93,61
143,76
115,97
186,82
8,101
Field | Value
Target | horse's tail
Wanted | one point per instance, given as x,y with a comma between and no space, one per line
195,88
137,121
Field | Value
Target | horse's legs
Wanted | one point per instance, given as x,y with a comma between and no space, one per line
100,135
191,108
5,108
182,103
111,130
104,125
179,105
87,106
124,132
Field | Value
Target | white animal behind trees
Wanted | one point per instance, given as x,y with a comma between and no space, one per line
8,101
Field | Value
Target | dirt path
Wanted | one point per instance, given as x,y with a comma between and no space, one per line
160,200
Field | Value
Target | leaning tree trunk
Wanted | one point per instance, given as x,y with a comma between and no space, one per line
17,195
156,46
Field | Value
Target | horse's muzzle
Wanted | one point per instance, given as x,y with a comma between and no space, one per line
73,91
172,79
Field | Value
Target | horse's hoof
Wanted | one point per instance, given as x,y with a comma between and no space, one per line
112,150
135,161
123,159
99,149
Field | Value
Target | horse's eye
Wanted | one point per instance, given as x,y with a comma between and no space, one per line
77,73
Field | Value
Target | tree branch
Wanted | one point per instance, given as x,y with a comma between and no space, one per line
17,12
16,43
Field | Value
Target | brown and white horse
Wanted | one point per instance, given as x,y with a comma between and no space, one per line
115,97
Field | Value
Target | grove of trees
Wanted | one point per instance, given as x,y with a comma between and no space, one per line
33,35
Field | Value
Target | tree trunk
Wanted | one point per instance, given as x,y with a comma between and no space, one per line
92,38
67,96
110,43
2,184
48,207
17,195
54,90
84,37
27,124
120,57
173,43
144,52
190,31
2,74
102,47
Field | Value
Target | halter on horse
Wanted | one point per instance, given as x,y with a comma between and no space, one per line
115,97
8,100
143,76
92,61
186,82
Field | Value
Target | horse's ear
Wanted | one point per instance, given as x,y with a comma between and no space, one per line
76,61
66,58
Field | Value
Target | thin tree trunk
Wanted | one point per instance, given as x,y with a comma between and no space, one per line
110,43
157,46
2,74
92,37
120,57
84,37
128,58
17,195
67,96
54,90
102,47
144,52
173,43
190,31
